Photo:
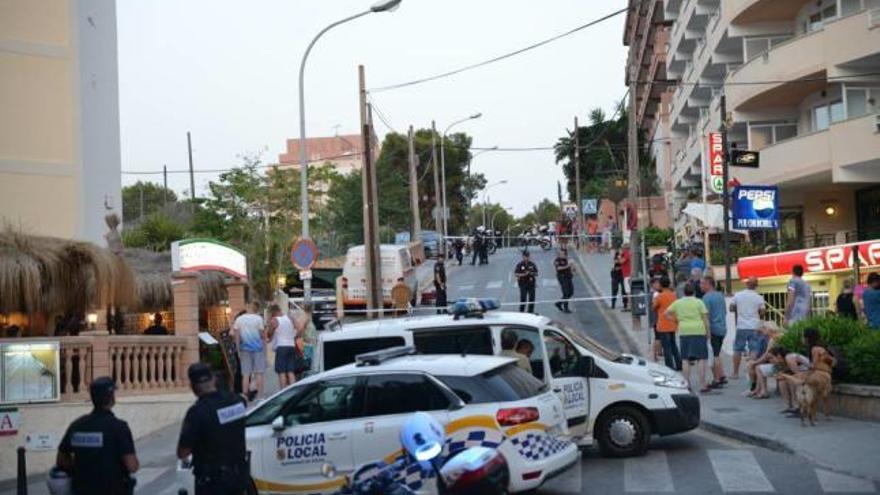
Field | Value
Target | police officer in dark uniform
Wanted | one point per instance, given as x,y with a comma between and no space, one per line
564,275
526,273
440,286
213,432
477,247
98,450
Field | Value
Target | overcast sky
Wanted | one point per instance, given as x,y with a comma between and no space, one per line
227,71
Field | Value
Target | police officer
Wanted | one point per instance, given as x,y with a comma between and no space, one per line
526,273
213,432
477,247
564,275
440,285
98,449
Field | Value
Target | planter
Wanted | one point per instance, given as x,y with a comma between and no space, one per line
856,401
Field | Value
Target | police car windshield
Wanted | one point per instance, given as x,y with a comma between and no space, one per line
587,342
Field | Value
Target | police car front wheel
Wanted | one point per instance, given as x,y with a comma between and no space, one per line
623,431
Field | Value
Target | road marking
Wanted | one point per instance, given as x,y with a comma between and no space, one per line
739,471
546,282
836,482
647,474
465,288
146,476
495,284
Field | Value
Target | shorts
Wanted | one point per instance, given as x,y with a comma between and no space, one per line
716,341
693,347
252,362
751,339
769,370
285,359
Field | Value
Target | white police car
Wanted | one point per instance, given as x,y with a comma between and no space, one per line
617,399
352,415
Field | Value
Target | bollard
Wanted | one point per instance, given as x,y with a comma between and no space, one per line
21,479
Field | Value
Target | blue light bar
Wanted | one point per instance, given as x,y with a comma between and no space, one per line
473,307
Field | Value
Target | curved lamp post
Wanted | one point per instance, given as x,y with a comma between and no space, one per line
382,6
486,197
443,171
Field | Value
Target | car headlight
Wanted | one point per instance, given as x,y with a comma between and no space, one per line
671,381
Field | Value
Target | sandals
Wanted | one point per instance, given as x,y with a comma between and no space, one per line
761,396
706,389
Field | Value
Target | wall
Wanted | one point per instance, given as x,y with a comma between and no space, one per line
59,129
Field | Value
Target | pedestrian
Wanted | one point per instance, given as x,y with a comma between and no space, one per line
593,233
697,260
681,279
526,273
484,248
750,310
606,235
157,328
249,332
683,265
871,301
846,303
656,346
626,271
565,276
509,341
617,284
283,336
458,246
666,326
97,450
799,303
692,318
440,286
477,247
401,295
714,301
306,339
696,282
213,433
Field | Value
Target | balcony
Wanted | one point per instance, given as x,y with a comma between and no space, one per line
755,11
855,150
813,54
802,159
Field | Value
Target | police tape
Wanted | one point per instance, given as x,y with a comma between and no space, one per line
434,309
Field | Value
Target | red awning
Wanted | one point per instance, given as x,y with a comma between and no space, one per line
816,260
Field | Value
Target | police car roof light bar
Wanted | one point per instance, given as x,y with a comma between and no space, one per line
378,357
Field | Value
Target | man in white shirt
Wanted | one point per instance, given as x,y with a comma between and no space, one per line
750,309
250,338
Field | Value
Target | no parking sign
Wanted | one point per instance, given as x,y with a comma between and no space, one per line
304,254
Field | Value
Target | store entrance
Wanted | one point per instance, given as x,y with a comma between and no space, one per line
868,213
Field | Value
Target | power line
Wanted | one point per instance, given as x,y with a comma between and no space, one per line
230,169
498,58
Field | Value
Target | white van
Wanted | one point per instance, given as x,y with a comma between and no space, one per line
620,400
396,263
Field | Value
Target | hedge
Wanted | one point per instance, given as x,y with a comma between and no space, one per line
859,345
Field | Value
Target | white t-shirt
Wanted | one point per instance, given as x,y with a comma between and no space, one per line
249,327
285,335
748,305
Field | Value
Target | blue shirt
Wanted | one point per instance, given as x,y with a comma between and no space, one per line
698,263
871,300
803,296
714,301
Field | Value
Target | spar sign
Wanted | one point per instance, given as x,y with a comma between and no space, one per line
818,260
716,162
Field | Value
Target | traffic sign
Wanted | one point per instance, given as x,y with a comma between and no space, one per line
590,206
304,254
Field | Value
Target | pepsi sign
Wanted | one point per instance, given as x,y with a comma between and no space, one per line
755,207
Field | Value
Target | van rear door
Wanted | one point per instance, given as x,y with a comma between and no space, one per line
567,382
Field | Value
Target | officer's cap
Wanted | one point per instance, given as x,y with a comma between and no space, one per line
199,373
101,389
525,253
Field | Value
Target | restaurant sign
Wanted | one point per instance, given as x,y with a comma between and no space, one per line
817,260
195,255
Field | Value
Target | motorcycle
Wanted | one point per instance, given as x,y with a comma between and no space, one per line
471,471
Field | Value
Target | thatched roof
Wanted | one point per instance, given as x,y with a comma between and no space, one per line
153,275
48,274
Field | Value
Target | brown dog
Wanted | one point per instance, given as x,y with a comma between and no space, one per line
813,386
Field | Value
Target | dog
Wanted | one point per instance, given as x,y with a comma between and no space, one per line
813,386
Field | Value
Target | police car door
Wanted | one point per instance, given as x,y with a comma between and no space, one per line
573,390
317,429
389,400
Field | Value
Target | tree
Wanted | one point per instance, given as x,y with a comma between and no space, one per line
503,219
155,232
155,197
543,213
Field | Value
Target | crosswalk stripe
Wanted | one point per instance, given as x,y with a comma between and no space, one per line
648,474
836,483
465,288
495,284
146,476
739,471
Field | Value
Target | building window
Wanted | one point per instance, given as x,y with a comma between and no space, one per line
765,134
850,6
861,101
755,47
824,115
819,15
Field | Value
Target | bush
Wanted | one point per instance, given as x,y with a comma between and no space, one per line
655,236
836,332
863,356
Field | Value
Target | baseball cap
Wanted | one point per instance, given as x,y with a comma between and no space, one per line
101,388
199,373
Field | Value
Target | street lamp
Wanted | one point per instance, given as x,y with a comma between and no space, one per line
443,171
382,6
493,148
486,197
492,218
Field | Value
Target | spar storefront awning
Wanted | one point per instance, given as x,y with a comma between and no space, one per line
816,260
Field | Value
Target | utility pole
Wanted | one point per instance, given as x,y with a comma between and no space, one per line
725,201
444,210
437,212
192,178
414,188
633,190
559,194
142,201
577,181
371,227
164,185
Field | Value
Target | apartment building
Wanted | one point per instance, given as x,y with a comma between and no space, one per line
801,79
59,124
343,152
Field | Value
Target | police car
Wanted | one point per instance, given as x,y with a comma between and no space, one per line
618,400
352,415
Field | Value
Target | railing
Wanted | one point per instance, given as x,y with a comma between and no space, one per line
147,362
76,367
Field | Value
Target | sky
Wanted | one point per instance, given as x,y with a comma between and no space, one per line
227,72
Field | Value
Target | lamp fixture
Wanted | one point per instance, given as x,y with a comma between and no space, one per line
830,208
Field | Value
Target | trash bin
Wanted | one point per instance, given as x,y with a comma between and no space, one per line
638,297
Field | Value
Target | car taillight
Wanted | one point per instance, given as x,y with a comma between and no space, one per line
517,416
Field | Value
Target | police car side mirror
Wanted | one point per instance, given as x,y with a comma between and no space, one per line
278,424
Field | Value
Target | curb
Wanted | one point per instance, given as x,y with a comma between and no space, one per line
745,437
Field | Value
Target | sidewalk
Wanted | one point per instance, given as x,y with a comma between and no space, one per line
844,445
